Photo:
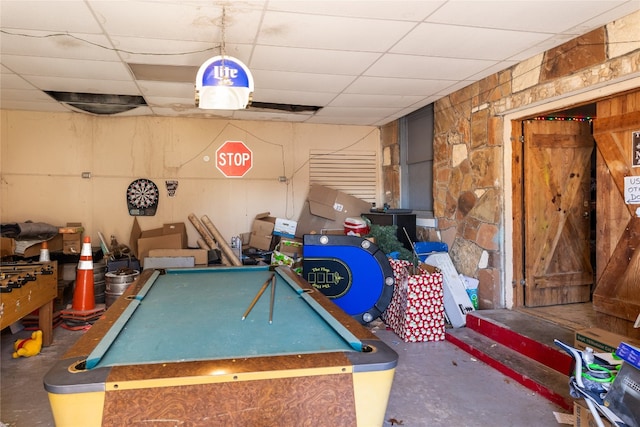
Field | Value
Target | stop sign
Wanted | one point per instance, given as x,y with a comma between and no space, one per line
234,159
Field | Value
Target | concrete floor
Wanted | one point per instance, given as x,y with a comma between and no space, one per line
436,384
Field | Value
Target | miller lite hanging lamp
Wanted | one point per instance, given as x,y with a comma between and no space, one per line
223,82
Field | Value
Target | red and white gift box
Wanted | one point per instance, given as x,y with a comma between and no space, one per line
416,310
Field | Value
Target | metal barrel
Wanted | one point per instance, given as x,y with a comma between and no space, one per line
99,286
117,282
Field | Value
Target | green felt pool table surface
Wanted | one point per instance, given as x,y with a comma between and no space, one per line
197,314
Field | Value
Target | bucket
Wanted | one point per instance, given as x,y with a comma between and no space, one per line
99,270
355,227
424,249
117,282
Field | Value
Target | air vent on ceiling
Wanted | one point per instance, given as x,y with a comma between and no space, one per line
290,108
98,103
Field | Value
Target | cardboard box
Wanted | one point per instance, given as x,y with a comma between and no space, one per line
170,236
262,232
416,310
169,262
601,340
326,209
72,238
285,227
31,248
291,247
582,416
200,256
287,252
7,246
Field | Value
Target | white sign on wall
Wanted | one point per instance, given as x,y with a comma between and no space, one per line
632,190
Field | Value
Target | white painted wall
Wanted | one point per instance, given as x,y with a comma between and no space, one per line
43,155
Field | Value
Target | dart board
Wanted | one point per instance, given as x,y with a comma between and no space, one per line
142,198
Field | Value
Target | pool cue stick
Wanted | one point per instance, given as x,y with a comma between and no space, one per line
413,249
257,297
273,293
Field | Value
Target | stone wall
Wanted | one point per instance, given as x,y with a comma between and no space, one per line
468,198
469,191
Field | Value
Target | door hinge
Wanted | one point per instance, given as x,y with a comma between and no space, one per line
522,138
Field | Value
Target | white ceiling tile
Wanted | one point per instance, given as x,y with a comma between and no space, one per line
177,103
347,120
53,16
394,86
329,32
191,112
495,68
14,81
374,101
188,21
401,10
455,86
165,51
420,67
547,44
56,45
32,95
292,97
415,107
447,41
269,116
300,81
311,60
352,112
179,90
62,67
547,16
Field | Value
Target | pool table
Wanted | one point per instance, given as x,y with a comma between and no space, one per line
176,349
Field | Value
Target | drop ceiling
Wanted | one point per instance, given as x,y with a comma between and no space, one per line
362,62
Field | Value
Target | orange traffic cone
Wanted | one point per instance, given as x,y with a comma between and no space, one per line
84,311
44,252
83,295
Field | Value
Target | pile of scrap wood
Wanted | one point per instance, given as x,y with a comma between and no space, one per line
212,239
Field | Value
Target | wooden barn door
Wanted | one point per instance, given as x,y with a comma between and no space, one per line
616,297
556,193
